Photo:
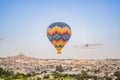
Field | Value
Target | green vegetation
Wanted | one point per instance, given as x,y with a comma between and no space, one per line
10,75
117,74
38,78
81,76
57,75
46,77
108,78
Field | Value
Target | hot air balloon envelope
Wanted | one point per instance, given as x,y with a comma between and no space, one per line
58,33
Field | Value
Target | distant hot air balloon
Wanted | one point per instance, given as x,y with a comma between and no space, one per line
1,39
58,33
88,45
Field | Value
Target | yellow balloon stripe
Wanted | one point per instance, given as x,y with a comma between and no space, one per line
59,29
59,42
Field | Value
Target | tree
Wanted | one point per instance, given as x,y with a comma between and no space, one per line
20,76
3,76
9,78
28,74
1,71
57,75
108,78
59,68
38,78
33,73
46,77
117,74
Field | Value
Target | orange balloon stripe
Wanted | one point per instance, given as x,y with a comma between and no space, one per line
59,42
59,30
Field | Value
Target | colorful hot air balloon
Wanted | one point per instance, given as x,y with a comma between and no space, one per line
58,33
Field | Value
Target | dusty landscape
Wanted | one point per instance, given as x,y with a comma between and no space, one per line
23,64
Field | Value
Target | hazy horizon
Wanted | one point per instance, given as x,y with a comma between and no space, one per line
24,24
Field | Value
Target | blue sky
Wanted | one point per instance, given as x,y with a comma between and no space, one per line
23,25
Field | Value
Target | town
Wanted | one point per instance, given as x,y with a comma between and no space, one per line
97,67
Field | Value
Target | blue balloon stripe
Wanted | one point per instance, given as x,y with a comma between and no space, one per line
60,24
